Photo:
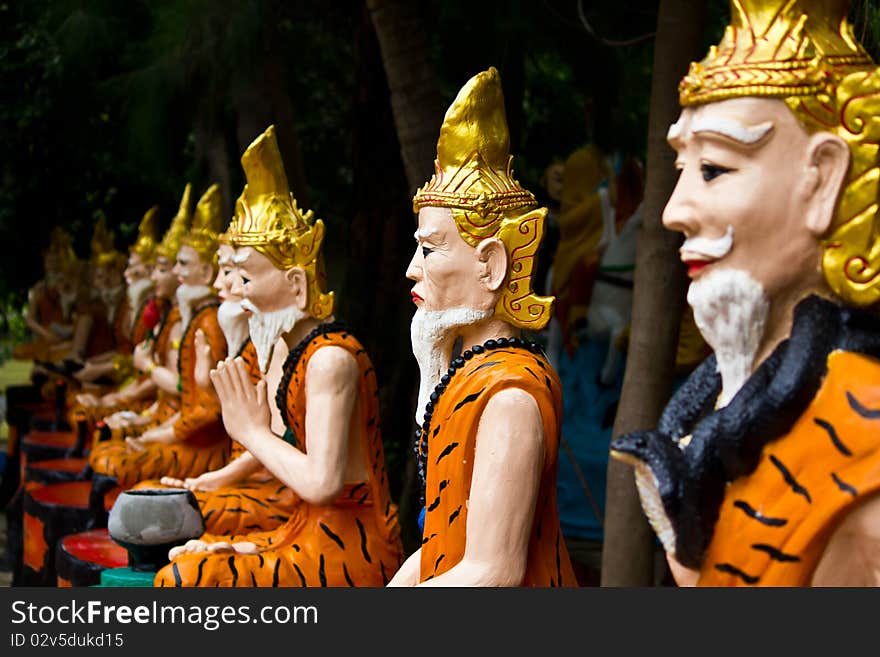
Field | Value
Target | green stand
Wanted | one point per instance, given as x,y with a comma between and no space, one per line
126,577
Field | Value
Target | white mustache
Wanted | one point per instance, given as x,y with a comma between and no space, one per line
248,305
711,248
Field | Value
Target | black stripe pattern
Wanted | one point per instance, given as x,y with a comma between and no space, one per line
832,433
733,570
789,478
746,508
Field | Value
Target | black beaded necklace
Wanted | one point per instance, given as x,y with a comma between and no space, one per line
423,431
293,357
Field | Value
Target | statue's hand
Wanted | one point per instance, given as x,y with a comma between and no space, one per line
158,435
207,482
134,444
88,373
142,357
87,399
204,360
111,399
245,406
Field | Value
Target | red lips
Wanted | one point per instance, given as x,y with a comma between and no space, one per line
696,266
415,297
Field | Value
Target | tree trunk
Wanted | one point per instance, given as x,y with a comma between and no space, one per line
376,301
211,153
658,301
415,96
260,101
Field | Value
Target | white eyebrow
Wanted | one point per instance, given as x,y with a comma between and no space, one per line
239,258
744,134
674,131
424,233
224,260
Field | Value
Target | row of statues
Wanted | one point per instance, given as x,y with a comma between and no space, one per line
232,378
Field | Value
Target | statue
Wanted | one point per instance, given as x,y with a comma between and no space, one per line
140,317
191,441
48,314
242,496
321,436
764,468
163,343
55,300
100,330
488,414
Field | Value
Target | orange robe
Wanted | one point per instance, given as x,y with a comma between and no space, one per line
450,462
47,311
101,336
200,443
140,332
258,503
353,541
773,529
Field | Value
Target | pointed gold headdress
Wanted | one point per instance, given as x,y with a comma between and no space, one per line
206,225
103,249
170,243
148,229
61,250
473,177
268,219
60,243
804,52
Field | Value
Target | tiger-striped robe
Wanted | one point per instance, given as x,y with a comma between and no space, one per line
200,443
353,541
451,450
258,503
775,523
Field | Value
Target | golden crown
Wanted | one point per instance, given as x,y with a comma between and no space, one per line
777,48
804,52
148,229
473,177
268,219
103,249
170,244
61,248
206,224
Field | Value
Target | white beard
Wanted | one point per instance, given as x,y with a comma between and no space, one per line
186,295
111,299
730,309
433,335
137,294
266,328
234,324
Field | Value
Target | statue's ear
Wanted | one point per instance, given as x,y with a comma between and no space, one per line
299,286
827,164
492,261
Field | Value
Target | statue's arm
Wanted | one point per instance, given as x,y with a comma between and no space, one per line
504,489
852,556
331,392
408,574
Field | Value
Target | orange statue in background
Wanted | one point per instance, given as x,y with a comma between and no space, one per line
188,440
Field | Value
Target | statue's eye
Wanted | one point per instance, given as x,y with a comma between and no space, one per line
711,171
245,281
426,251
